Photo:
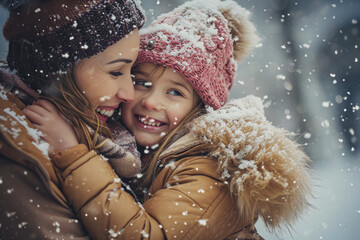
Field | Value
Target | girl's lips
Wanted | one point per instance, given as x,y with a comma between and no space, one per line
149,123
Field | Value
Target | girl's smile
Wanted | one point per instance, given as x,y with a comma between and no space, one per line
149,123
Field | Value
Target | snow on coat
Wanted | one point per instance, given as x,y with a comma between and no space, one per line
31,202
267,171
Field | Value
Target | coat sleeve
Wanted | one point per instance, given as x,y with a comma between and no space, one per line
96,194
29,211
187,204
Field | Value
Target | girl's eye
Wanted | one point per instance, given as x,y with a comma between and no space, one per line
175,93
116,74
143,83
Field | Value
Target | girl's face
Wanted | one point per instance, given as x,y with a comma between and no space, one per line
105,78
162,99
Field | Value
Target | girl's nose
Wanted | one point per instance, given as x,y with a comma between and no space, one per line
126,91
152,102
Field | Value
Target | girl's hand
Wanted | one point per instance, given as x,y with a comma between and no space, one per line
58,132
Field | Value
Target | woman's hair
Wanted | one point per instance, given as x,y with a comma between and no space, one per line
75,107
171,137
72,104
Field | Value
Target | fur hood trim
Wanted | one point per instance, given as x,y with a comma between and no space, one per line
267,171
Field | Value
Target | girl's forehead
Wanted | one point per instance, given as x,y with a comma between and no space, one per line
150,69
154,72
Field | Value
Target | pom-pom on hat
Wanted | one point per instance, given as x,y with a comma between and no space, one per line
46,37
201,40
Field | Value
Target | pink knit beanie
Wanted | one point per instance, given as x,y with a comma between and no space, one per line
201,40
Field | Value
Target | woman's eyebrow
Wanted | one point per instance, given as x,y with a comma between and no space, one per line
120,60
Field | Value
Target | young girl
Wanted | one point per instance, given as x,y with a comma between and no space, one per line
209,170
78,55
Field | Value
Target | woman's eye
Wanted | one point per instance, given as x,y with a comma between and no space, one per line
116,74
175,93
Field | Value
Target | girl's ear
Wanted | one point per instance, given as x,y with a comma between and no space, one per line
197,99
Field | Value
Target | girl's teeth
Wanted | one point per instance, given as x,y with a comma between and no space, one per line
150,123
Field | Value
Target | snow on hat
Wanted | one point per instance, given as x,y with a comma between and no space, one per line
201,40
46,37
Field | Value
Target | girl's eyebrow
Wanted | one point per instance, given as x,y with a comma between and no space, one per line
181,85
120,60
137,71
140,72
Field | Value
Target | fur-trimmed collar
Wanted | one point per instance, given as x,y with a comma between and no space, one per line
267,172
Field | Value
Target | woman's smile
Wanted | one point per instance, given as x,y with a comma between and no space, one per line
104,112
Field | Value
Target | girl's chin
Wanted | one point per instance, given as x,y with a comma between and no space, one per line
148,145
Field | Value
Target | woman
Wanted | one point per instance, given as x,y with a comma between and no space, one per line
78,55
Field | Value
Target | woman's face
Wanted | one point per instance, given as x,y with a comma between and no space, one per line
105,78
162,99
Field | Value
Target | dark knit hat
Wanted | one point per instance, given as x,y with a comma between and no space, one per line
47,37
201,40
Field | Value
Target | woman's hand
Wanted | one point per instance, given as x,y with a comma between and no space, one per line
58,132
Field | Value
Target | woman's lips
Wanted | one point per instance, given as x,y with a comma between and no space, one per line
102,117
104,112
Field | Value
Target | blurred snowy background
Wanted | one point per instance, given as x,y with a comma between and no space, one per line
307,71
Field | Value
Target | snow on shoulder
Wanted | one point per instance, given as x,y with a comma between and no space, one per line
266,170
19,124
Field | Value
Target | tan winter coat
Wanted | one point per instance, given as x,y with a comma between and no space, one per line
32,205
252,170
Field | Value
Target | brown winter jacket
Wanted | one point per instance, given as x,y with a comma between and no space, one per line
32,205
252,170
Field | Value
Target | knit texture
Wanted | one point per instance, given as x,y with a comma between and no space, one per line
46,38
121,152
196,41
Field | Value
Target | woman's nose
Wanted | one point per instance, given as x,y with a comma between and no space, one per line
152,102
126,91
